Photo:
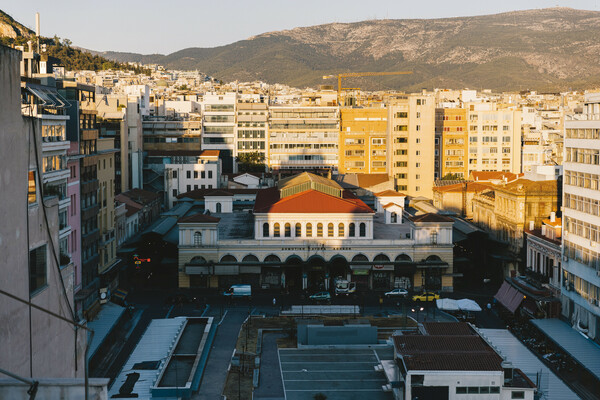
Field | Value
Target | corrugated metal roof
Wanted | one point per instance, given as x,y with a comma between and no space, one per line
155,345
514,351
586,352
104,322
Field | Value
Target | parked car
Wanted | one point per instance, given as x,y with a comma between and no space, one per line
397,293
239,291
426,296
321,296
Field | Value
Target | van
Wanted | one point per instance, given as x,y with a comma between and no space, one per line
344,287
238,291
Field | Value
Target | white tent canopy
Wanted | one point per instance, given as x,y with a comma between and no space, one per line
457,305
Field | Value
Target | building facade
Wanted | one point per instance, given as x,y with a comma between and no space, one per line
581,219
363,140
182,178
452,130
251,132
308,231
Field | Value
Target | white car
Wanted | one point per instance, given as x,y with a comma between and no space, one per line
397,293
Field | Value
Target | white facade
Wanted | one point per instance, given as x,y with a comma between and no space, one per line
581,219
219,121
183,178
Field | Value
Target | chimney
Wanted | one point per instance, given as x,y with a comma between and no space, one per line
531,225
552,216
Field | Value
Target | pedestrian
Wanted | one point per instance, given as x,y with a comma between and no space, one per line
489,308
274,301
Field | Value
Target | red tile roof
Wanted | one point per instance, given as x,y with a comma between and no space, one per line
309,201
430,217
388,205
198,218
368,180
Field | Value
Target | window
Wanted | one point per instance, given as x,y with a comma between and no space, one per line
495,389
434,237
265,230
195,174
203,175
31,192
219,207
209,174
319,230
341,230
189,187
197,239
473,389
461,390
417,379
309,230
188,174
330,230
174,174
276,230
363,229
288,230
352,230
37,269
517,395
298,232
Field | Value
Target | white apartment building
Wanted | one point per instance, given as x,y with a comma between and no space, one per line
494,138
251,128
581,218
218,132
303,137
182,178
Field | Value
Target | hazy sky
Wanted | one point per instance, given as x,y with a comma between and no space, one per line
151,26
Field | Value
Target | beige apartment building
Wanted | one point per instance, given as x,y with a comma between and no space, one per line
411,138
451,130
251,128
106,214
494,138
363,140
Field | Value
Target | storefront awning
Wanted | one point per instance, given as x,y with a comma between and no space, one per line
509,297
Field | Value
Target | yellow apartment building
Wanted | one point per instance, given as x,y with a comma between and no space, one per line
411,138
363,140
452,130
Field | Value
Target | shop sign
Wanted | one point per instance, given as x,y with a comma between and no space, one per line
360,272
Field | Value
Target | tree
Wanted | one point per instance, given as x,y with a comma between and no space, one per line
251,162
67,42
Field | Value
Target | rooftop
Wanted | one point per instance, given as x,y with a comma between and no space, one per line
139,196
389,193
308,201
494,175
430,217
199,194
199,218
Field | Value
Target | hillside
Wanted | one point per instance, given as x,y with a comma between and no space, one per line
14,33
548,49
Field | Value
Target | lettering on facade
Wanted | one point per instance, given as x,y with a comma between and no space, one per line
319,248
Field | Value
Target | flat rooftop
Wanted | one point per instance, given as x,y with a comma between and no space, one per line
340,374
381,230
237,225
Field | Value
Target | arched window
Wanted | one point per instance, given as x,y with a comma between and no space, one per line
352,230
276,230
330,230
341,230
197,239
309,230
266,229
319,230
363,229
288,230
218,207
298,232
394,218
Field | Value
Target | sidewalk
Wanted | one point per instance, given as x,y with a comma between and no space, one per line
270,384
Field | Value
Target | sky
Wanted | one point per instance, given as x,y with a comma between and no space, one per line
151,26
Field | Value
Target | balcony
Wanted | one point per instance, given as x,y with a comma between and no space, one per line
55,145
57,175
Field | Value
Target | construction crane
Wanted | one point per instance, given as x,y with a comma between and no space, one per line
352,74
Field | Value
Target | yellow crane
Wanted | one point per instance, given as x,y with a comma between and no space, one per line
353,74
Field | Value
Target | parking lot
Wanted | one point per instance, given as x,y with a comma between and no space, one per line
337,373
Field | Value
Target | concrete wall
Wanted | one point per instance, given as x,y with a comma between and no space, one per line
51,389
32,343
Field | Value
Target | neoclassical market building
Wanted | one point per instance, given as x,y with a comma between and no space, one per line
307,231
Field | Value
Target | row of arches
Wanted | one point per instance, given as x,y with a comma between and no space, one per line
320,230
249,258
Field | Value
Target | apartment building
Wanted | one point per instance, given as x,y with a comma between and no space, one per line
452,133
33,344
494,138
172,133
363,140
581,219
82,130
251,131
411,138
219,126
205,173
107,248
303,137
